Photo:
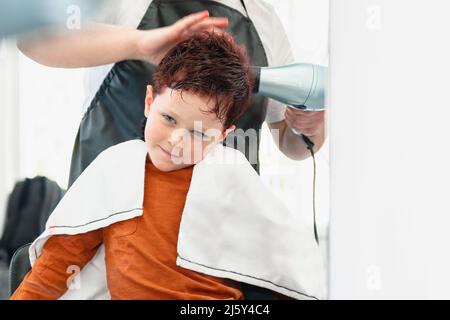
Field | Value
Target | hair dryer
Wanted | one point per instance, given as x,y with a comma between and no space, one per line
299,85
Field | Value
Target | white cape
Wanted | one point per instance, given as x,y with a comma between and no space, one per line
232,226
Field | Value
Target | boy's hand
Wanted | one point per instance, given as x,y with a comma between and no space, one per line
154,44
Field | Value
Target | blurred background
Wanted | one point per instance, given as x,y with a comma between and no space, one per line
41,109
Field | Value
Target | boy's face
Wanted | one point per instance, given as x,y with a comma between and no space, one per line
178,134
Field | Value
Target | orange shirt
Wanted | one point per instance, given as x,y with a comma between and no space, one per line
140,253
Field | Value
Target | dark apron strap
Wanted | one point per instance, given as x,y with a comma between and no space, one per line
245,8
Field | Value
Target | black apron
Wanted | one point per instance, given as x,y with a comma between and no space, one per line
116,111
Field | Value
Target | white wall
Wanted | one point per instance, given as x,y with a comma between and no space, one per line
9,123
41,108
51,104
390,149
306,23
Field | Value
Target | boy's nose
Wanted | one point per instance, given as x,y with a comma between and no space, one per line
176,136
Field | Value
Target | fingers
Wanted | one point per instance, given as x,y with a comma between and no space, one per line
307,130
305,114
304,117
208,25
218,22
188,21
198,22
307,122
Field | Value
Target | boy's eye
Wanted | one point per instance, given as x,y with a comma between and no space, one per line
168,118
199,134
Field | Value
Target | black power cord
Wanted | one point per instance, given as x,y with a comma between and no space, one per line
310,146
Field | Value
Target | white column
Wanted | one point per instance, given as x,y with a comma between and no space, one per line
389,149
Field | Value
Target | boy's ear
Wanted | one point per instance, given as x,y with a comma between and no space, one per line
227,131
148,100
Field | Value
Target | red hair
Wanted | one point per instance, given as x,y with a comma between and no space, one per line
213,65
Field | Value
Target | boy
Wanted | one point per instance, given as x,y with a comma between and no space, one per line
201,87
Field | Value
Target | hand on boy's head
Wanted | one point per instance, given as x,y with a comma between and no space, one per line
153,44
197,22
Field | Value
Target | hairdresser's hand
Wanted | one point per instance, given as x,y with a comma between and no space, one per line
98,44
310,123
154,44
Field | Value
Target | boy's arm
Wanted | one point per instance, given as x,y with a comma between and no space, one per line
61,254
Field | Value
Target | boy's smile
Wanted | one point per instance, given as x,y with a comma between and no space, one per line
179,130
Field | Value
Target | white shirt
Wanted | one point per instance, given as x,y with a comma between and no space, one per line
266,22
